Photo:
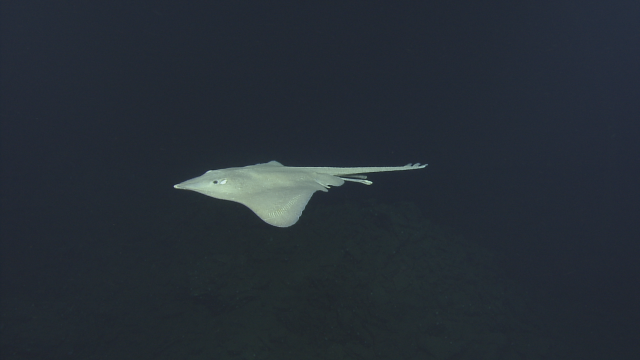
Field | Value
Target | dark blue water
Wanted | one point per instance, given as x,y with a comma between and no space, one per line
518,241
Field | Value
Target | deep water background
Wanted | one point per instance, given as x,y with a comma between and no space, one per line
527,114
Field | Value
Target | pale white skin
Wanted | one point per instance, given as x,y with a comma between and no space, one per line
278,194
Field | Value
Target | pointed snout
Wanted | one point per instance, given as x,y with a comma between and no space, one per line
194,184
